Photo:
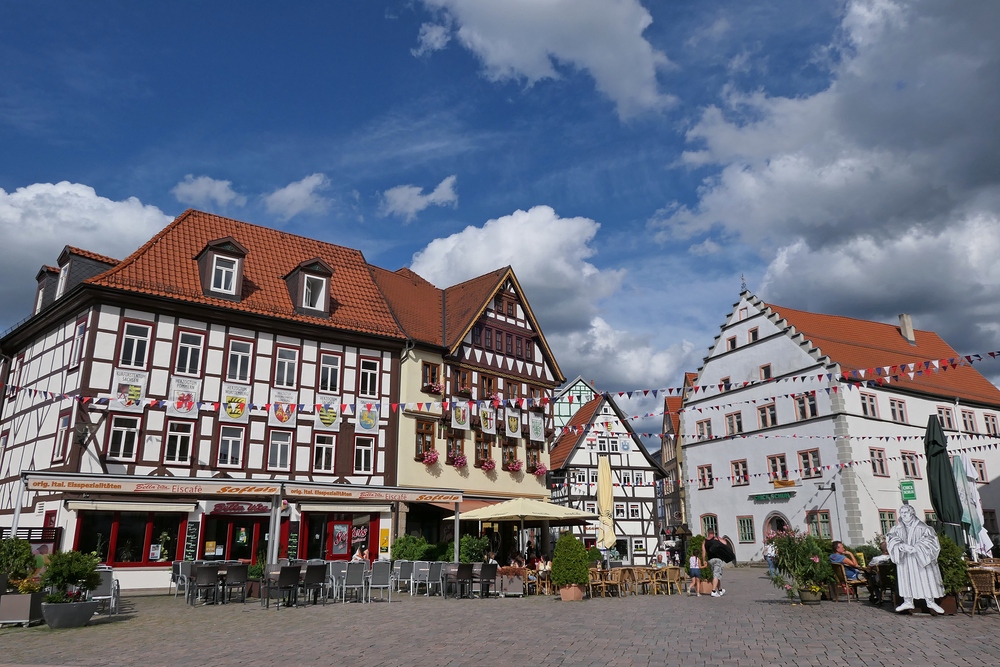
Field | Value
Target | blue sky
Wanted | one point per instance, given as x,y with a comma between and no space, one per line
630,159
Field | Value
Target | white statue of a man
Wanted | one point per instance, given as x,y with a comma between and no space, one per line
914,547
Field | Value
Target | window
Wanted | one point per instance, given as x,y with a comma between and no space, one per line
731,343
510,344
809,463
135,341
992,427
279,450
705,479
498,304
930,518
980,466
134,538
633,511
580,476
484,447
239,361
425,439
178,449
743,313
638,479
61,283
364,450
39,299
590,506
286,363
324,453
869,405
739,471
619,510
734,423
969,421
765,372
224,275
368,378
499,339
477,335
744,526
231,446
488,341
124,434
709,522
519,349
188,360
818,524
911,469
511,390
613,445
487,386
990,521
460,380
897,409
329,373
532,455
79,337
63,435
454,444
509,452
767,415
806,406
602,444
777,467
510,308
879,467
886,519
528,344
593,476
430,374
704,429
753,335
626,478
313,293
725,383
944,414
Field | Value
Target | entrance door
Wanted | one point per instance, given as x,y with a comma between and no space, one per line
317,529
777,523
242,531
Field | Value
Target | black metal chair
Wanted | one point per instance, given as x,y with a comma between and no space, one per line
236,579
206,578
487,579
462,578
314,580
286,583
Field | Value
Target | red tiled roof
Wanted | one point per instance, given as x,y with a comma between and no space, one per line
166,266
690,378
464,303
415,302
104,259
673,405
860,344
567,442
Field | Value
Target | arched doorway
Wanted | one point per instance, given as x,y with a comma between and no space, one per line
776,522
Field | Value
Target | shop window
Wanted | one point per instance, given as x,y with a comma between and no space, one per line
329,373
809,464
879,467
135,344
324,453
188,361
231,446
364,454
130,538
368,378
238,368
279,450
818,524
744,527
124,435
286,364
425,439
178,449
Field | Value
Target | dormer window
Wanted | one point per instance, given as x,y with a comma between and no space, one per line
61,285
224,275
308,287
220,265
314,293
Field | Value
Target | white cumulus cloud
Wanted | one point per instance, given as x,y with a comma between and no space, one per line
406,201
204,191
299,197
528,39
432,37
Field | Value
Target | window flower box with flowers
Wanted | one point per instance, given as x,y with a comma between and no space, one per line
465,392
430,457
488,465
459,461
515,465
538,470
433,388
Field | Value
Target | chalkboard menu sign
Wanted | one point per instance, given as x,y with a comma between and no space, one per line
293,539
191,541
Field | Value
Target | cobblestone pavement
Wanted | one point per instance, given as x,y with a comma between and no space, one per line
751,625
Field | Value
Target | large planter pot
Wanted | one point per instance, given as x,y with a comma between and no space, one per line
808,597
253,588
512,586
68,614
571,592
21,608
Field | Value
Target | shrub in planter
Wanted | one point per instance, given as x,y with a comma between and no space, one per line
67,569
409,547
569,563
473,549
954,569
16,561
802,561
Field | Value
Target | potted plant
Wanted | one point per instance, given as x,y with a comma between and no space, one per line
488,465
515,465
430,457
69,576
803,566
459,461
954,573
511,580
539,470
432,388
20,599
569,567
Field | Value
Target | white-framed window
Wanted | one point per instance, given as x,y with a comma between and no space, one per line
911,468
744,527
286,363
739,470
633,511
879,467
178,449
602,444
809,463
734,423
767,415
945,415
135,343
61,445
124,435
368,378
869,405
329,373
897,409
806,406
626,478
992,426
314,292
231,446
613,445
704,428
224,274
590,506
364,453
619,510
279,450
79,338
593,475
61,284
580,476
38,299
240,355
969,421
188,360
705,479
638,478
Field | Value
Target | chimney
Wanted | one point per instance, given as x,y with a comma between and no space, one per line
906,328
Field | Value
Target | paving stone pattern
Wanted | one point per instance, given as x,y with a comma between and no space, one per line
751,625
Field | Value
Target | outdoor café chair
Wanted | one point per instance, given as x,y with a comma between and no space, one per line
108,591
402,574
434,576
462,578
983,586
236,579
487,579
315,580
381,578
848,586
354,579
205,578
286,583
421,570
179,572
596,582
336,573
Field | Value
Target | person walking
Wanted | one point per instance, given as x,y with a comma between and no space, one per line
715,552
770,553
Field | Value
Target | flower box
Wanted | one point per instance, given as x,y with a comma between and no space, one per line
23,608
514,466
464,392
435,388
487,465
459,461
430,457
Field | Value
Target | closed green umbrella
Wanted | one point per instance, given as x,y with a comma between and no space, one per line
941,482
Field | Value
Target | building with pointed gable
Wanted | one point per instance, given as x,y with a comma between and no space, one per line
812,421
570,398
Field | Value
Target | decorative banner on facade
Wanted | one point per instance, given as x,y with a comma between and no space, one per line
129,390
460,415
366,420
512,420
327,413
536,427
235,403
283,407
488,419
182,401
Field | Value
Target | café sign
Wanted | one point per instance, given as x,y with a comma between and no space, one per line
239,507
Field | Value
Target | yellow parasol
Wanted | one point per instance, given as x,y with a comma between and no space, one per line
605,505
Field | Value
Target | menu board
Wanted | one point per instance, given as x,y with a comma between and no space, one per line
293,539
191,540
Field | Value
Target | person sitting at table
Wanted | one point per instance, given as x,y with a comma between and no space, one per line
360,555
544,564
846,558
871,574
491,558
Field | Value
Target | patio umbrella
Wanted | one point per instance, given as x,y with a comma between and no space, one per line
605,505
941,482
526,509
972,507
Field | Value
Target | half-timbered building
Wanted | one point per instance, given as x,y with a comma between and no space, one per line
570,398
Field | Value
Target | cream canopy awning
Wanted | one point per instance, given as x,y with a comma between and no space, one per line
526,509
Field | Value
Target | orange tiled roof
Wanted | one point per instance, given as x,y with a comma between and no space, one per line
166,266
104,259
567,442
860,344
415,302
690,379
465,301
673,405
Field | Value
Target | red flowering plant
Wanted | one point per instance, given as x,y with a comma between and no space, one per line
515,465
801,562
430,457
540,470
459,461
488,465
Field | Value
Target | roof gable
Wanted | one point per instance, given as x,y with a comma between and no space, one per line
567,442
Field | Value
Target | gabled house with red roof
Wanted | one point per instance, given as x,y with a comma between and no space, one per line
600,429
476,386
811,421
224,390
570,398
669,490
